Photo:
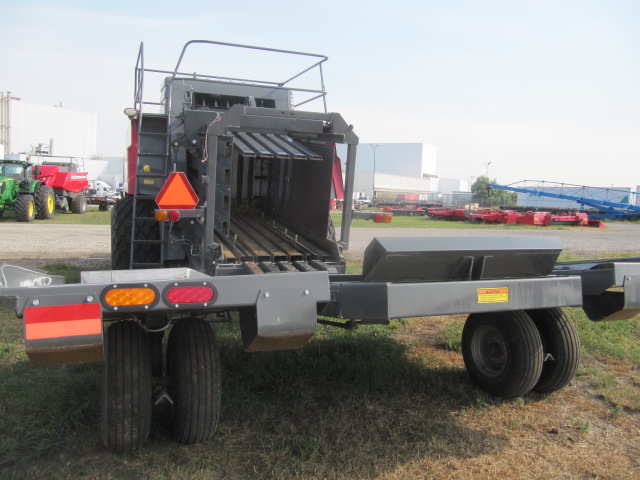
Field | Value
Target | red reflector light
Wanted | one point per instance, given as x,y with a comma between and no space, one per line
174,215
199,294
378,218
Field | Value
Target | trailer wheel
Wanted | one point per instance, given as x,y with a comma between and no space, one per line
502,352
194,367
79,204
45,202
25,209
126,387
561,347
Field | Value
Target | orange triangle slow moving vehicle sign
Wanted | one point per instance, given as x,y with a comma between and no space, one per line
177,193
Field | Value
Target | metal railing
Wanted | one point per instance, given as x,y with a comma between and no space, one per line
315,93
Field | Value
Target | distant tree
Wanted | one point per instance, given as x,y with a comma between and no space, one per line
481,190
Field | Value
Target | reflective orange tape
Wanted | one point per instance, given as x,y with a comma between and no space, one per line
62,321
69,328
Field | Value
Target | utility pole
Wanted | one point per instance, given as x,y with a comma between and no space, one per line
373,189
487,171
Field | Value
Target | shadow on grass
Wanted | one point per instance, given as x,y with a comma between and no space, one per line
348,405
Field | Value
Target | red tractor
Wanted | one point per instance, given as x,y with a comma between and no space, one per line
68,185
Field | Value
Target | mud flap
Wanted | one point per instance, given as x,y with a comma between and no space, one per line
63,334
284,319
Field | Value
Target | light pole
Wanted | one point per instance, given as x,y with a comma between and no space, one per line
373,189
487,172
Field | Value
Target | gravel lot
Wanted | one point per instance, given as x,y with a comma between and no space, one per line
91,243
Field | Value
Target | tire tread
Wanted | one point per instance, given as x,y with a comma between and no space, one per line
127,387
195,374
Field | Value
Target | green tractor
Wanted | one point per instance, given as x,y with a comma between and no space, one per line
21,192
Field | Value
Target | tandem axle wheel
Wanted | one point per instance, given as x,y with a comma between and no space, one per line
509,354
129,394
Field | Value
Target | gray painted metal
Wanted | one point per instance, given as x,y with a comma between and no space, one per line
142,275
262,145
12,276
233,292
610,288
347,212
415,259
384,301
275,85
298,317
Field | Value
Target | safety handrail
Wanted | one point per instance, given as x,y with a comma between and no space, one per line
323,58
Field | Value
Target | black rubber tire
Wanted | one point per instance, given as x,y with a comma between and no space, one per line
194,367
25,208
126,387
560,346
121,220
502,352
79,204
45,202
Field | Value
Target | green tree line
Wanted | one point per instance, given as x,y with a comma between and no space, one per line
481,190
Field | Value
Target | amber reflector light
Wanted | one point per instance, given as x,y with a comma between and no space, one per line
129,296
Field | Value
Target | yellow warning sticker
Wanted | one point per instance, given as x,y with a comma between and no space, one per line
149,182
493,295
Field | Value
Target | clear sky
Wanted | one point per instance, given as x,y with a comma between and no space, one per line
542,89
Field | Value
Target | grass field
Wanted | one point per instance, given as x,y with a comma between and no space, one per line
92,217
382,402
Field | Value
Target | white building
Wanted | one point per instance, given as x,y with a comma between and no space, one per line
51,129
402,168
42,131
396,167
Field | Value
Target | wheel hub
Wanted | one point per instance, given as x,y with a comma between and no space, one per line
489,350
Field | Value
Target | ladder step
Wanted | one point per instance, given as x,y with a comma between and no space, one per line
148,242
153,134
